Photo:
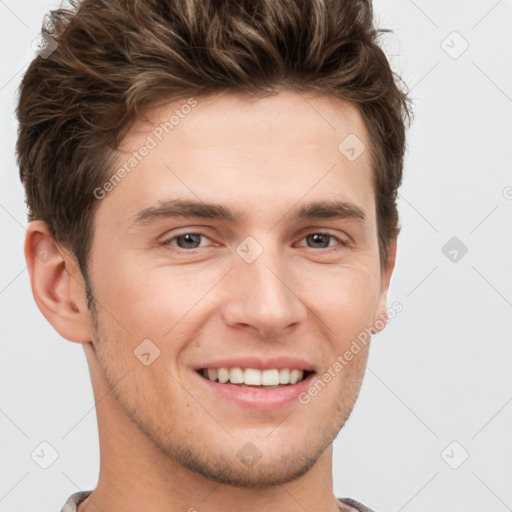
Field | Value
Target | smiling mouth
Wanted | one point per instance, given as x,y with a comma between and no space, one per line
252,377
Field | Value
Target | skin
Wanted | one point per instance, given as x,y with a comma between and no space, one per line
166,441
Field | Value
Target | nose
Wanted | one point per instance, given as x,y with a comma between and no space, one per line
264,295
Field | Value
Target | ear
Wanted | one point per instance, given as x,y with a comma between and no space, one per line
382,316
57,284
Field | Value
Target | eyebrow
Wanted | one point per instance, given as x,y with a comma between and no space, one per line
187,208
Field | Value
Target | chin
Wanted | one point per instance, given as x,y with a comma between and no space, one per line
252,461
274,471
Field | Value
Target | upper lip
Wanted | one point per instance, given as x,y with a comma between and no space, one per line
259,363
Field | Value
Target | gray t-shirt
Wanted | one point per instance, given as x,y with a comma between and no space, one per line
75,499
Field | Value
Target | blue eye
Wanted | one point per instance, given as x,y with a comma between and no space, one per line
321,238
192,240
189,239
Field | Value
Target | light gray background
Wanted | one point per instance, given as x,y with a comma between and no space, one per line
439,373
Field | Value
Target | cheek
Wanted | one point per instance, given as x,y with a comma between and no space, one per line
346,296
157,300
149,301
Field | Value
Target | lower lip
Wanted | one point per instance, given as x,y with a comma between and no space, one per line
258,397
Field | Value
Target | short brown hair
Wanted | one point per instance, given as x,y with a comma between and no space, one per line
113,58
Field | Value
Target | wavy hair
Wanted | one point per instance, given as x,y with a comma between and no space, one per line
107,60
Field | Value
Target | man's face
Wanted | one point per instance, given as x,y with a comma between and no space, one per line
266,290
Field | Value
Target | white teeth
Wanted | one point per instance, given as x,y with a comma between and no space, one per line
270,377
254,377
284,376
295,376
236,376
223,375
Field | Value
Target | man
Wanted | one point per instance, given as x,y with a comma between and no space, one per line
212,203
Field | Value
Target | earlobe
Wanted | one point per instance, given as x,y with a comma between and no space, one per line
57,284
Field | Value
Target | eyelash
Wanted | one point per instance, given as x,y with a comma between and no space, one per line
341,242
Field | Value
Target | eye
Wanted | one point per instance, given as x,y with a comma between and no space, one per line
321,240
192,240
186,240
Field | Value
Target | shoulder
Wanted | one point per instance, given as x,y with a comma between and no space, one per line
74,500
353,505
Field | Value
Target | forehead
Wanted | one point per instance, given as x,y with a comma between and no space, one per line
234,149
299,117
